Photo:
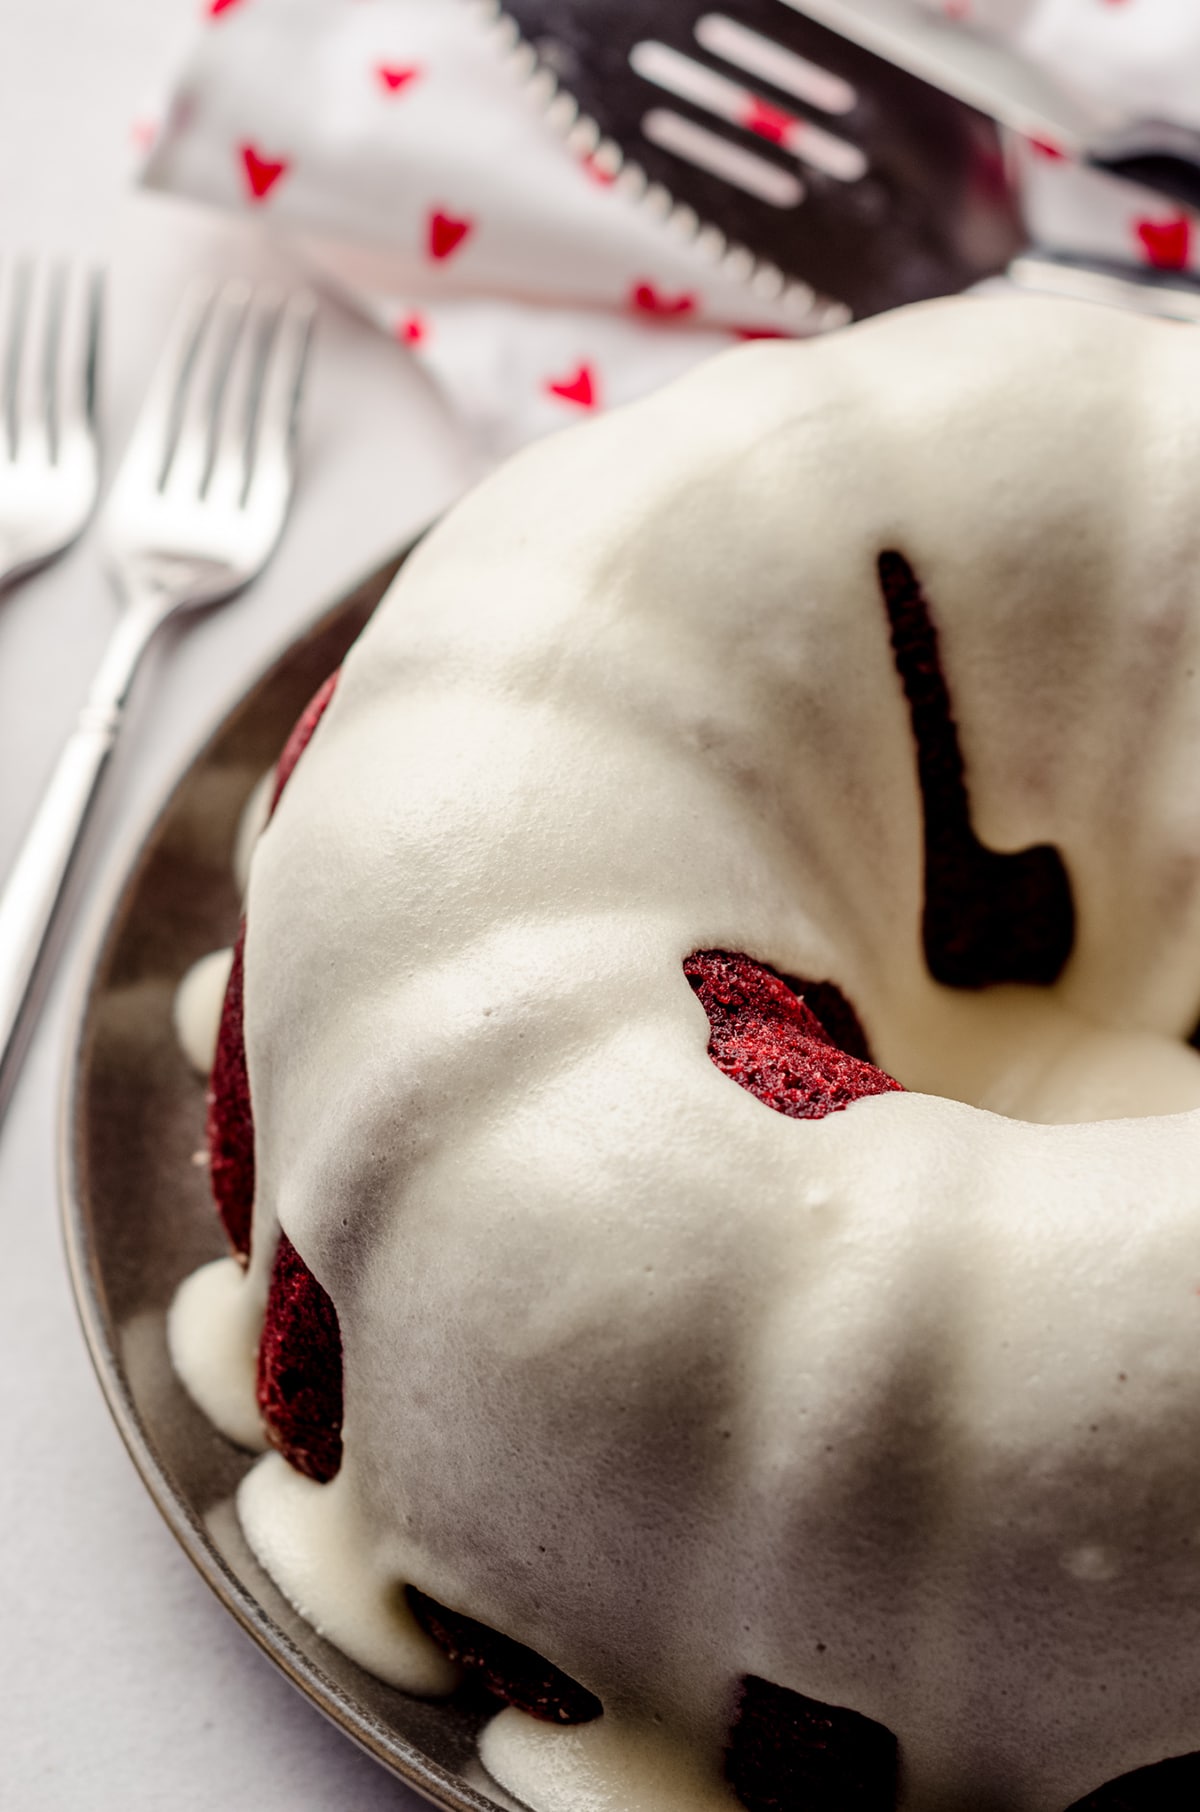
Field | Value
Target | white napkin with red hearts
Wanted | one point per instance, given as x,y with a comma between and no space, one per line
1141,57
393,141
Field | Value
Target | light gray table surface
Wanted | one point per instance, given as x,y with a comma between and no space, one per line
123,1683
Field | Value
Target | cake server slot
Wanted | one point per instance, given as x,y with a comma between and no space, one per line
760,56
670,131
707,88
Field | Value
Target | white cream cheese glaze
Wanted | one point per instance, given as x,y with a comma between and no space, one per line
197,1008
899,1409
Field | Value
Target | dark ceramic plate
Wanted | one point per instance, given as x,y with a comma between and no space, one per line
138,1216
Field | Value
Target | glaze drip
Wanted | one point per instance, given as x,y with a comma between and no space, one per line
678,1384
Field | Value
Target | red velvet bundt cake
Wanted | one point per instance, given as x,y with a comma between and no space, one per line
703,1106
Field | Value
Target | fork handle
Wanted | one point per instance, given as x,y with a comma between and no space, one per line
35,886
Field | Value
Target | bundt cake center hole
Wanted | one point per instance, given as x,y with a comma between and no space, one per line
1028,1054
798,1046
990,916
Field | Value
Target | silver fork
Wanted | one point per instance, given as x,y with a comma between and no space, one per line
197,508
49,460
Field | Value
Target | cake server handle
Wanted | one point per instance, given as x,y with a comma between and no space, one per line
990,76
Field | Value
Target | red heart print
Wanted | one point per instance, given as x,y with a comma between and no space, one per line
598,174
216,7
446,234
1167,244
579,388
411,329
395,76
771,123
651,301
262,173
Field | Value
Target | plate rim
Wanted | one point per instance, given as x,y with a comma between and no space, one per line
102,931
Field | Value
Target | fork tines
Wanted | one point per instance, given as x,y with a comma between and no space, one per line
50,321
220,415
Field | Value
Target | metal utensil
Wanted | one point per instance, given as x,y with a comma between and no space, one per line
197,508
50,321
987,75
832,181
841,156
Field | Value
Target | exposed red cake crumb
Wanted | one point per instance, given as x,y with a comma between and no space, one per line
508,1669
301,733
766,1039
230,1120
300,1353
791,1754
838,1019
230,1125
300,1368
988,917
